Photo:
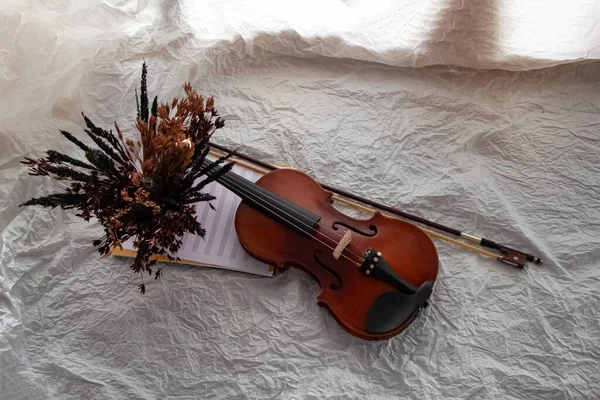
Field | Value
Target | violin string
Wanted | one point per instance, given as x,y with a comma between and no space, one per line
230,182
272,197
294,225
249,194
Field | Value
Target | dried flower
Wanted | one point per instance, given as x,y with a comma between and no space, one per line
145,191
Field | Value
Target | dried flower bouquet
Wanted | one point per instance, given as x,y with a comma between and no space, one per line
145,190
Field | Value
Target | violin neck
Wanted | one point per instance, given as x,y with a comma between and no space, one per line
276,207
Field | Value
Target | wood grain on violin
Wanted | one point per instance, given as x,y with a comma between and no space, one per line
386,268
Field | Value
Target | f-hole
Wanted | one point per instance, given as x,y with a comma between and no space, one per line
372,228
335,285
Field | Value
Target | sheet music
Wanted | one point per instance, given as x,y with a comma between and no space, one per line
220,247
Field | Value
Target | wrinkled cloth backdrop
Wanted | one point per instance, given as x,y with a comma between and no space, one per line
481,115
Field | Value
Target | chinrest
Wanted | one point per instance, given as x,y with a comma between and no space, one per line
392,309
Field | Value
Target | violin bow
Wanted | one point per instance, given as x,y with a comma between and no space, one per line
508,255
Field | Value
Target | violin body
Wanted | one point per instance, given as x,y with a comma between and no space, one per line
367,299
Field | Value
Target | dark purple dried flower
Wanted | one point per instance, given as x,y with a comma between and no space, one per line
150,197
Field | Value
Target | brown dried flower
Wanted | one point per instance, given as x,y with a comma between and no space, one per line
143,191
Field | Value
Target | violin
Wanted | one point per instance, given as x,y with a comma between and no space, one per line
375,275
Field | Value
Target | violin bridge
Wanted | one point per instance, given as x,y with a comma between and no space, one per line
344,242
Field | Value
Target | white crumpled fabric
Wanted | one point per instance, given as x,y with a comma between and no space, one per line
331,88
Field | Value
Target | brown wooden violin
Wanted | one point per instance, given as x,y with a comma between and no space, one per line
376,274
